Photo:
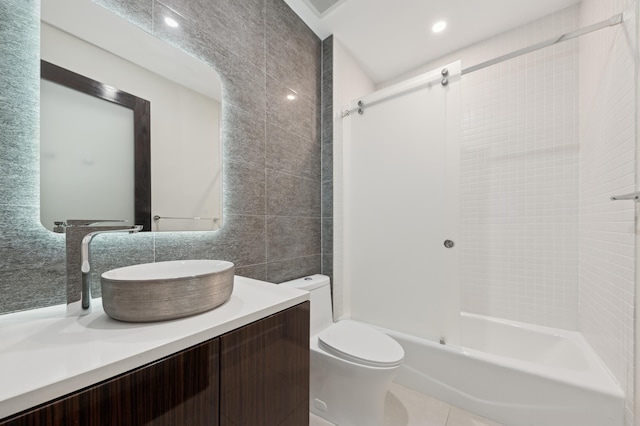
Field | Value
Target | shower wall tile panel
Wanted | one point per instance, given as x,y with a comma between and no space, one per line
299,117
257,272
263,52
519,176
284,240
19,103
290,195
248,136
293,52
139,12
40,260
292,154
280,271
244,188
607,167
327,157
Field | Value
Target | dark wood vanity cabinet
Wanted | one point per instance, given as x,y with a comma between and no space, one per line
264,371
256,375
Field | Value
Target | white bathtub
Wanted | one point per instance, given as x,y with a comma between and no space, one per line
514,373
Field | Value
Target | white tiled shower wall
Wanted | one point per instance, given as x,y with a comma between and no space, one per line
607,167
547,139
519,180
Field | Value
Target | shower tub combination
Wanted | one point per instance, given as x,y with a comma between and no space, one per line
515,373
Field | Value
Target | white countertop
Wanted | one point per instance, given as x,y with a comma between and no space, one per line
44,354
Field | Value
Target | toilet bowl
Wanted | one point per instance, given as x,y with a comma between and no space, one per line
351,365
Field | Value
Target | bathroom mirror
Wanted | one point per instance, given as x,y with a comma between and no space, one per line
82,161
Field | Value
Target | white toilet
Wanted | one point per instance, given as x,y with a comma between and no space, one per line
352,365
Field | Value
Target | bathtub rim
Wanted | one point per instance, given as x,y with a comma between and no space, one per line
598,378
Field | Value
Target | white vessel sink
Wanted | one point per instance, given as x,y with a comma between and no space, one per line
166,290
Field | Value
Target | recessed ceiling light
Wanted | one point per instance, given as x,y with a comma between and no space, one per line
439,26
291,97
170,22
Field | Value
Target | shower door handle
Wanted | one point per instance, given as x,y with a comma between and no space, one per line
634,196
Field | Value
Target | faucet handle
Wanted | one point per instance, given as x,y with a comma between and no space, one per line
88,222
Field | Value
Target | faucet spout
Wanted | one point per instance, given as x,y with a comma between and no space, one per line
79,260
85,260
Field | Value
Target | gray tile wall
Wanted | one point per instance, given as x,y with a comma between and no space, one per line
272,147
327,156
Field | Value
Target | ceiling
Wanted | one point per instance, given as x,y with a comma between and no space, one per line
390,37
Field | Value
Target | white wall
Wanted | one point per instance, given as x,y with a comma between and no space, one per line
349,83
607,167
185,130
82,139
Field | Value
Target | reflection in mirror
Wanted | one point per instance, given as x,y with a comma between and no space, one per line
185,110
73,110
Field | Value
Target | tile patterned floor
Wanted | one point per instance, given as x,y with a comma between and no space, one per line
406,407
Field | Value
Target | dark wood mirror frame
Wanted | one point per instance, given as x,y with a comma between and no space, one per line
142,126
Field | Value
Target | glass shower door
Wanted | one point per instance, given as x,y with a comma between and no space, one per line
401,206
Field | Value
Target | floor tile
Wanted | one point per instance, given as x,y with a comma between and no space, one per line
459,417
406,407
318,421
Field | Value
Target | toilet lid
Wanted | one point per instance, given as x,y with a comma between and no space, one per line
360,344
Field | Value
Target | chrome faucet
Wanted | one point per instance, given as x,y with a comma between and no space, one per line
85,261
79,234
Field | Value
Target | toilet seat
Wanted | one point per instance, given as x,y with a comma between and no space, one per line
360,344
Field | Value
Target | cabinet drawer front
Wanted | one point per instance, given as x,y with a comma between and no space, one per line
181,389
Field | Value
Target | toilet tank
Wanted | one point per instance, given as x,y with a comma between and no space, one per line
320,297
